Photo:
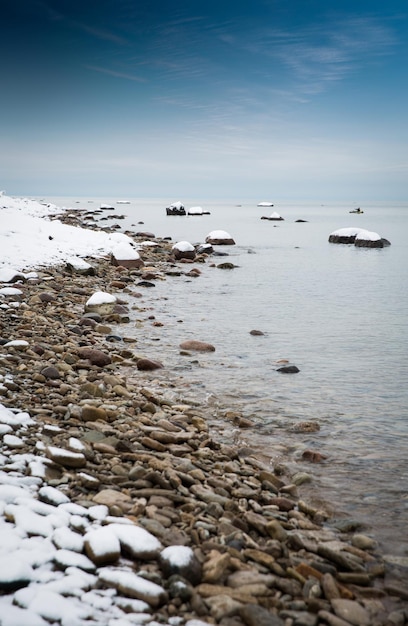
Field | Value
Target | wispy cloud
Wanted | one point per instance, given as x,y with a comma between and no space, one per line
99,33
116,74
323,53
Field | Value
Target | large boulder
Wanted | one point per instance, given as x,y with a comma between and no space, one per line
219,238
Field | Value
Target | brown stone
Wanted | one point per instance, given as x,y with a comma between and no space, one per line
198,346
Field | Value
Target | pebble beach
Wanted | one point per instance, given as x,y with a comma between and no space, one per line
118,505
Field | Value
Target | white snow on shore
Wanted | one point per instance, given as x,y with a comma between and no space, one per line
29,239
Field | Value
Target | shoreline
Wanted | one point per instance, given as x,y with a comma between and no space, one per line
262,553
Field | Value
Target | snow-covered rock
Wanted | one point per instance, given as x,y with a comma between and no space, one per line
274,216
183,250
219,237
126,256
101,302
176,208
360,237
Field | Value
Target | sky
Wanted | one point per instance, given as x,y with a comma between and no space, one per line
285,99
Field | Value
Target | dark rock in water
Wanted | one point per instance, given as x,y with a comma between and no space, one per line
288,369
339,238
300,221
256,332
145,283
198,346
313,457
205,248
175,211
113,338
148,365
226,266
368,243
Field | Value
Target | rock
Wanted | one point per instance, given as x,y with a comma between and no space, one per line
274,216
79,266
136,542
66,458
126,256
147,365
177,208
197,346
363,542
95,357
219,238
255,615
183,250
101,302
256,333
102,546
351,611
288,369
222,607
134,586
90,413
313,456
111,497
50,372
182,561
14,573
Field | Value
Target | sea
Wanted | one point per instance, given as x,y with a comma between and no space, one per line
337,312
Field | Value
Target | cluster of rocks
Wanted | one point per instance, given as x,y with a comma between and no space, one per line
138,515
360,237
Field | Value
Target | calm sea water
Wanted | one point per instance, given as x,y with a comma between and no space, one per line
337,312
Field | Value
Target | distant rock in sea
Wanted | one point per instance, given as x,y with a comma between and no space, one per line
177,208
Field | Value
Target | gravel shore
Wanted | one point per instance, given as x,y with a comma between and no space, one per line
93,452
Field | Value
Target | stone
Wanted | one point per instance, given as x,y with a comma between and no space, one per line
95,357
51,373
255,615
100,302
66,458
111,497
183,250
181,560
197,346
219,238
90,413
147,365
223,606
102,546
133,586
351,611
288,369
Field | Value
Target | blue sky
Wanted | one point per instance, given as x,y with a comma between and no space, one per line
291,100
